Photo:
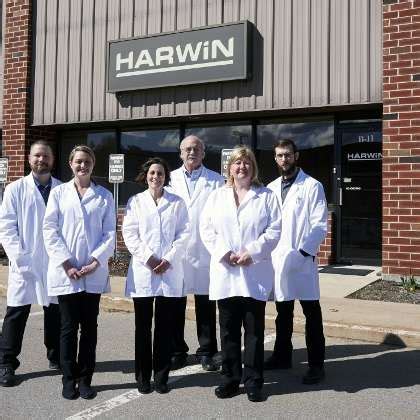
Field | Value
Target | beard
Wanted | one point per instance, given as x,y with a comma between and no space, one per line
288,171
41,169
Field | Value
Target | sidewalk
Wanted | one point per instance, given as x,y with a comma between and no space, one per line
379,322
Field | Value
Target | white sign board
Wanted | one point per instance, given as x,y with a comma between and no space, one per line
224,161
116,169
4,163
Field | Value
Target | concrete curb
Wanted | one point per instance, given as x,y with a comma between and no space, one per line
382,335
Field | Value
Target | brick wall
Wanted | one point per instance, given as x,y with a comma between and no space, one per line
326,253
17,133
401,138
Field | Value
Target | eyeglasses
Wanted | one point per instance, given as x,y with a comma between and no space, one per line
285,156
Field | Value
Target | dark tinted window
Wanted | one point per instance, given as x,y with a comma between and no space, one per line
315,141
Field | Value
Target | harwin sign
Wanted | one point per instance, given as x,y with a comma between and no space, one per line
200,55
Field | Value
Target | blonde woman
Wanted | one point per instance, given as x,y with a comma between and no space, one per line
240,226
79,233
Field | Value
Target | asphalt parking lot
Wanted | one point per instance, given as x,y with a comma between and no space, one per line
364,380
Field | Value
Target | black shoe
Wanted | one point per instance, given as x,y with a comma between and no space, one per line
226,390
144,387
86,391
274,362
314,375
7,377
208,364
179,361
70,392
53,365
161,388
254,394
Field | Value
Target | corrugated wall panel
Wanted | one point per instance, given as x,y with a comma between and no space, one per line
74,68
303,53
199,18
301,29
319,52
375,50
63,60
141,21
339,52
282,75
359,51
127,30
113,32
213,93
86,80
99,64
167,107
50,62
247,98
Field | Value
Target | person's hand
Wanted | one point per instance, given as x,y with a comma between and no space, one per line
153,262
244,259
89,268
230,258
162,267
72,272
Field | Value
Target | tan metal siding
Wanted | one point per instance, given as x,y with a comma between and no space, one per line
304,53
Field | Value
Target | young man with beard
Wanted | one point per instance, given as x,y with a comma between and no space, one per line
194,183
21,216
304,227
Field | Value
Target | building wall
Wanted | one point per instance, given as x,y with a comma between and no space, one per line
1,61
401,138
17,52
307,53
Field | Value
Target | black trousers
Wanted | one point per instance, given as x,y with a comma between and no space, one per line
14,328
78,310
314,333
234,313
205,314
157,360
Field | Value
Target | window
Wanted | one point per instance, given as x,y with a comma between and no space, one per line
314,140
218,137
103,143
139,146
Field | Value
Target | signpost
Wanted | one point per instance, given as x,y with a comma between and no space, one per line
224,161
4,166
116,176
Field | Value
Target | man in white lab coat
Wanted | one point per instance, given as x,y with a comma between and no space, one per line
305,214
194,183
21,218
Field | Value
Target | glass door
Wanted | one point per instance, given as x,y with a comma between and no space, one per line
360,195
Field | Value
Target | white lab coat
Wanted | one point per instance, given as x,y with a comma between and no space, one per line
21,217
78,230
197,258
304,213
253,226
161,231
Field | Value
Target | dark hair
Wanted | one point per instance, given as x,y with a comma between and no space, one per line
141,177
41,143
286,143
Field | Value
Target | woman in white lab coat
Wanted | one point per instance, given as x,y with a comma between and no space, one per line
79,234
155,230
240,226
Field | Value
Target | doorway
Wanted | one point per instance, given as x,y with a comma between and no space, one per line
359,194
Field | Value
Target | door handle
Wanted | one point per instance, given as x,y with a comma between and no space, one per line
340,196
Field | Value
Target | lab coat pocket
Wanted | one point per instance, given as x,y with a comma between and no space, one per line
297,263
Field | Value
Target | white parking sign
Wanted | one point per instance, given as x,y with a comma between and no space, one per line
224,161
116,169
3,169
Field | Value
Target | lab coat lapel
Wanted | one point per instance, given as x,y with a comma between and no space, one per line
36,194
200,185
249,196
294,189
179,185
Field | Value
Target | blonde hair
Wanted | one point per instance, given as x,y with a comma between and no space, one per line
82,148
243,152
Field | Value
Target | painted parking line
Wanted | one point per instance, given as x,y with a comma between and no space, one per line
31,314
132,395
